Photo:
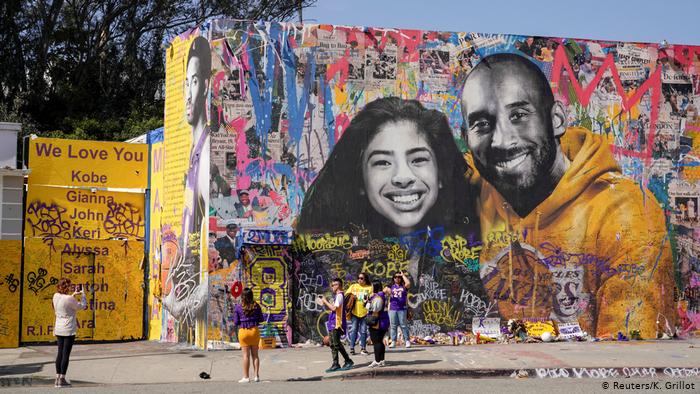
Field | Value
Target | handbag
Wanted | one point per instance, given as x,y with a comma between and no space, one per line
372,319
349,304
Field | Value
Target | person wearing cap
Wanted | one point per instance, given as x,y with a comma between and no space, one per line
245,207
227,246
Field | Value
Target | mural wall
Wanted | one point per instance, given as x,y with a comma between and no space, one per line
74,227
510,176
153,239
10,265
185,180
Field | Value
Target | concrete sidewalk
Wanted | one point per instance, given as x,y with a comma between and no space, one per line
146,362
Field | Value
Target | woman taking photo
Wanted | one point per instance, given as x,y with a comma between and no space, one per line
65,307
247,316
378,322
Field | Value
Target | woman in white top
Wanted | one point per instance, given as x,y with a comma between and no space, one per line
65,306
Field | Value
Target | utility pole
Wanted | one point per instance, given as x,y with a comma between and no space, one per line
300,2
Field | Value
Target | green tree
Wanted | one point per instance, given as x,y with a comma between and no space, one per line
95,68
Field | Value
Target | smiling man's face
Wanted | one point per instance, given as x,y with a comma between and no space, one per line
401,174
194,92
508,127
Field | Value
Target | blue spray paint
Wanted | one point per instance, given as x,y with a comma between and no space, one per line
296,107
328,115
262,99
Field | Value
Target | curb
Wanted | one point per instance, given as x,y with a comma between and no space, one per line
537,373
387,373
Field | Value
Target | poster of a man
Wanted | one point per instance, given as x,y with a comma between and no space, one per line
691,210
560,186
686,210
188,295
246,207
228,245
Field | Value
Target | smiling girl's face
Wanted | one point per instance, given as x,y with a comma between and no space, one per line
400,174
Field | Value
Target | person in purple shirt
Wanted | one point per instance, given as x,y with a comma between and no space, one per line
397,307
336,325
247,316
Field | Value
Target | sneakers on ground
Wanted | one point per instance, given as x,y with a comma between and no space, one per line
364,352
62,382
333,368
392,344
257,379
348,365
244,380
374,364
382,364
352,351
57,382
408,344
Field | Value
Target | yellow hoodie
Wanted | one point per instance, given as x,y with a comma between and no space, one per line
595,251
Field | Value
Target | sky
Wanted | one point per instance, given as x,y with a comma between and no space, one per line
676,21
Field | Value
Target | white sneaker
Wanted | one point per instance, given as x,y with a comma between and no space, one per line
374,364
408,344
382,364
244,380
257,379
392,344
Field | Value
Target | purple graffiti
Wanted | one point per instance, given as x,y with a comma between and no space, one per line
557,257
46,221
124,220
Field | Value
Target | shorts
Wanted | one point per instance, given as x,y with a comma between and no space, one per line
249,336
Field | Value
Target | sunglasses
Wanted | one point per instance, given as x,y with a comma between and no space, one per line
361,278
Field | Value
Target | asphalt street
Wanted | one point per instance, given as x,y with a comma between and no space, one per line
401,385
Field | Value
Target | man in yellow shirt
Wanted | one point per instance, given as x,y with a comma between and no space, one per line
362,290
566,236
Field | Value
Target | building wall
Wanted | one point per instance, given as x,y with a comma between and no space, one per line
76,227
10,266
155,214
183,276
612,246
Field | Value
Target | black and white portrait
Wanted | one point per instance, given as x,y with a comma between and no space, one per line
396,169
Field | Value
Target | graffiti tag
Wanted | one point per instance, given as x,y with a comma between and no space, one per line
441,313
37,281
124,220
12,282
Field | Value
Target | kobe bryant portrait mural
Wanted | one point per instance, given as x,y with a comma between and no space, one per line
187,293
558,219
